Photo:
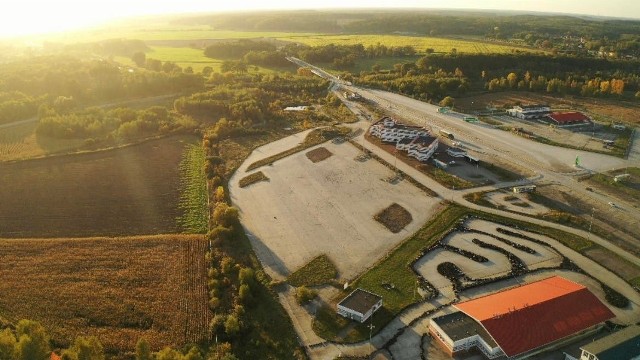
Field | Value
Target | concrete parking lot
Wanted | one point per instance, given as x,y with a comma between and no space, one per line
307,209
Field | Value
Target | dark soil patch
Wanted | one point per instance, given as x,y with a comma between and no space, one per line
129,191
319,154
395,218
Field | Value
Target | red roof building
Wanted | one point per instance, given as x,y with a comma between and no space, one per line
527,318
568,118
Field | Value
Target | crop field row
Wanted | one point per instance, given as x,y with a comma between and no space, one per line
420,43
193,200
129,191
118,289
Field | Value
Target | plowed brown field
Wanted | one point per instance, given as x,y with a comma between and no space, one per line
118,289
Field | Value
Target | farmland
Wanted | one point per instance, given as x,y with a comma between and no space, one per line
193,200
420,43
119,289
161,32
21,142
128,191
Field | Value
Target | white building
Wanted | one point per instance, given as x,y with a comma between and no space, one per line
389,130
527,112
359,305
423,147
415,140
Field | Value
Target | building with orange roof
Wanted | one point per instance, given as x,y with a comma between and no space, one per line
568,118
523,321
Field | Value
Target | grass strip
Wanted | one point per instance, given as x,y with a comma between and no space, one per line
319,271
252,179
315,137
193,196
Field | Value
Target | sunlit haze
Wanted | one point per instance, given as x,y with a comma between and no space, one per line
35,17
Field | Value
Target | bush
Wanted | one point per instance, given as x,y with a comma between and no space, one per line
231,325
304,295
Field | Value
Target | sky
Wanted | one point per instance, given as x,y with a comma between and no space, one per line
42,16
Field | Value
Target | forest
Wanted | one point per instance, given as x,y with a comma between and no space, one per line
436,76
563,32
30,83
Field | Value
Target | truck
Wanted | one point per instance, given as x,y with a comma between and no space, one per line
447,134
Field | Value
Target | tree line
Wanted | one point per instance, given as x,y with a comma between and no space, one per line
98,124
435,76
29,83
29,340
251,99
266,54
561,32
244,108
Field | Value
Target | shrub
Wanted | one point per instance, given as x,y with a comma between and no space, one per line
304,295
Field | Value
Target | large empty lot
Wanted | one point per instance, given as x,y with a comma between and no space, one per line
129,191
116,289
307,209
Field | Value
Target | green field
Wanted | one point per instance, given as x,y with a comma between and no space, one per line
420,43
160,31
184,57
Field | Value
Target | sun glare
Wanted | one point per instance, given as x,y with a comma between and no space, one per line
29,18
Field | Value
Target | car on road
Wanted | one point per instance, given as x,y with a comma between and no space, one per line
612,204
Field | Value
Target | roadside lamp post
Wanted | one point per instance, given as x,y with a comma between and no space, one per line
370,332
590,223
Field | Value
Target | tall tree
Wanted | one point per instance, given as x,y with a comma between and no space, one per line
7,345
143,350
140,58
33,341
84,348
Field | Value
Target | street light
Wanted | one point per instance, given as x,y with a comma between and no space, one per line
590,223
370,332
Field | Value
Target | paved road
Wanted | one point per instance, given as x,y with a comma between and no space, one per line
18,123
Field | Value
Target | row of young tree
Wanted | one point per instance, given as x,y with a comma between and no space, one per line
29,340
240,292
